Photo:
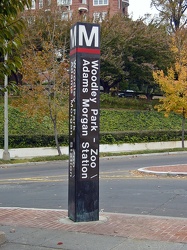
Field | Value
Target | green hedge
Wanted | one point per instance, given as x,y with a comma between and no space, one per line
29,141
140,136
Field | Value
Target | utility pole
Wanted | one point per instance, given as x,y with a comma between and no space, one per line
6,154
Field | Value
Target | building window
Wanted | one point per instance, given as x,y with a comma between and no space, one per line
40,4
100,2
33,5
119,4
66,15
49,2
84,1
99,16
64,2
31,20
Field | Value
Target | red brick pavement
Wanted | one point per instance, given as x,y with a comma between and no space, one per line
130,226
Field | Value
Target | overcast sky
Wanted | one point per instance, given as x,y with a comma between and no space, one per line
137,8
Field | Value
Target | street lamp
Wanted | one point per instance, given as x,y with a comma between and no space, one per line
6,154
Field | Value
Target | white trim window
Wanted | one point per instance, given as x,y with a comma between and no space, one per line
31,20
119,4
100,2
99,16
41,4
33,5
64,2
67,15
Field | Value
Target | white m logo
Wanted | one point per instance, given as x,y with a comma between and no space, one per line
88,41
83,36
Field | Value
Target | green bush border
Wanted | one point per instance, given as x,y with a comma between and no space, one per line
30,141
140,136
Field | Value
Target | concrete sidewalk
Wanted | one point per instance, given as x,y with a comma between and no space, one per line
42,229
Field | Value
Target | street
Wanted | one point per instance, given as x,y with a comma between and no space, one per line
122,189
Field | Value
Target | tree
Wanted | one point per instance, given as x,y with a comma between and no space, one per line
174,83
113,40
148,49
172,12
179,46
130,51
11,27
45,70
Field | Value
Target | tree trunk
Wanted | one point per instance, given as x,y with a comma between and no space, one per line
183,124
54,120
56,138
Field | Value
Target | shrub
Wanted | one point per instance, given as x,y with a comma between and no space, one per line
29,141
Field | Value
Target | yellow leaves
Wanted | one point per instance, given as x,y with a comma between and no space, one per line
166,82
174,85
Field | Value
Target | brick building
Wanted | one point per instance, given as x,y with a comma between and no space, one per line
96,9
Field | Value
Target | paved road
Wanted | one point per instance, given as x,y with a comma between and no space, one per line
44,185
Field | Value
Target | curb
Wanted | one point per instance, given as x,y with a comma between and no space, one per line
20,153
161,173
2,238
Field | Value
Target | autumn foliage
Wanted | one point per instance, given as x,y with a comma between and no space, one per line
174,83
44,88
